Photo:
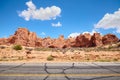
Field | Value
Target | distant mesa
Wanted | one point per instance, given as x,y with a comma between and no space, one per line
26,38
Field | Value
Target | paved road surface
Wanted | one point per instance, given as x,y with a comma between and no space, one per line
60,71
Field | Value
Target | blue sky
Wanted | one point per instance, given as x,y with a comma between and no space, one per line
60,17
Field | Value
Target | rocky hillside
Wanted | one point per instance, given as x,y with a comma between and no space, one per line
26,38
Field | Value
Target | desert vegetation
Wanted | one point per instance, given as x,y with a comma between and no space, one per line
50,58
106,53
17,47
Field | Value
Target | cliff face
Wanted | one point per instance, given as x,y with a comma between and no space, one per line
26,38
83,40
23,37
109,38
96,40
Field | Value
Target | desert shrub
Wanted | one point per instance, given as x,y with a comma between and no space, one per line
50,58
115,59
110,47
20,58
118,45
42,49
87,50
88,59
29,49
17,47
2,47
104,60
64,51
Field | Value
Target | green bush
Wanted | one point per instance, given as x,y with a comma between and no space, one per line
17,47
50,58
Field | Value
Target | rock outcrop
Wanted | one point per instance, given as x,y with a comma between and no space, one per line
60,42
26,38
23,37
83,40
109,38
96,40
70,42
46,42
3,41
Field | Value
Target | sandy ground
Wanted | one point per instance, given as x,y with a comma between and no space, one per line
10,55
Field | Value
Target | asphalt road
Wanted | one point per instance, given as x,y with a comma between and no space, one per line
60,71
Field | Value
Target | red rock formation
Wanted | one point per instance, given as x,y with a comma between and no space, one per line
59,43
11,39
109,38
20,37
69,42
3,41
26,38
83,40
96,40
32,38
46,42
38,42
23,37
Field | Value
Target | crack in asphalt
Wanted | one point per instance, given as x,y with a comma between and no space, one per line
99,77
105,68
45,69
63,71
64,68
67,69
46,78
12,67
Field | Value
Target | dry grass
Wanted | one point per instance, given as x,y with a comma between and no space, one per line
61,55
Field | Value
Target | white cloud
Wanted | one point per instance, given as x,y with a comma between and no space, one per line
56,24
43,34
74,35
47,13
30,5
91,33
110,21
